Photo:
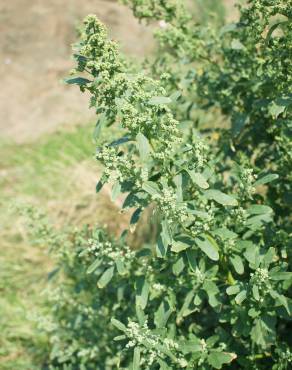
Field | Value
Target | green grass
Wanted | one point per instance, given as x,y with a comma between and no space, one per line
40,174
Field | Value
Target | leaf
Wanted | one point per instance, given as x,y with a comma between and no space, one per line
221,198
258,209
238,123
240,297
191,255
224,233
99,186
237,264
161,247
217,359
116,191
106,277
157,100
282,300
120,141
233,289
166,232
236,45
178,246
119,325
280,275
162,315
208,246
99,126
142,292
198,179
252,255
151,188
136,358
178,266
256,293
266,179
80,81
143,146
135,218
94,266
275,110
120,267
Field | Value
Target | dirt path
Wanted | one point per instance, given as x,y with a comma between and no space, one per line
35,39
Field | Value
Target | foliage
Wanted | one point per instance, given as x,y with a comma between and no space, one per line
214,290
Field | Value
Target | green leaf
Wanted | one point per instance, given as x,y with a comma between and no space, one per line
80,81
258,209
238,123
224,233
120,141
266,179
191,255
106,277
198,179
136,358
157,100
94,266
218,359
161,247
275,110
237,264
142,292
221,198
240,297
116,191
166,232
99,186
151,188
209,246
256,293
162,315
143,146
120,267
135,218
119,325
236,45
99,126
233,289
178,246
178,267
280,275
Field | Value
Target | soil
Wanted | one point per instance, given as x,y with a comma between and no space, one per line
35,39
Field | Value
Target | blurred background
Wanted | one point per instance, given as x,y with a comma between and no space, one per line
46,146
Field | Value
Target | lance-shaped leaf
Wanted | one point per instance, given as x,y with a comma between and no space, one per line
266,179
80,81
162,315
157,100
221,198
143,146
142,292
136,358
106,277
94,266
209,246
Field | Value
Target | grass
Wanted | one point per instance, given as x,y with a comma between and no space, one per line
56,174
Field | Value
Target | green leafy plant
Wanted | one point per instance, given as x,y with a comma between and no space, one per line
213,292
